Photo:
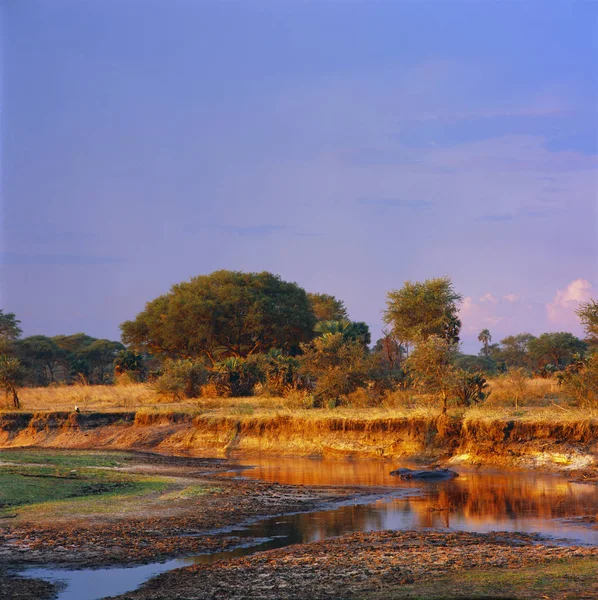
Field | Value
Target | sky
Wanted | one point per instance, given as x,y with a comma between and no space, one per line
346,145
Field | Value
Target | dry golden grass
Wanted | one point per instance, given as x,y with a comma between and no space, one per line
543,402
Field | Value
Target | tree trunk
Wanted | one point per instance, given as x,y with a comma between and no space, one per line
15,398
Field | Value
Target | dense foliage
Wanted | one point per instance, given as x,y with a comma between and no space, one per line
225,314
240,334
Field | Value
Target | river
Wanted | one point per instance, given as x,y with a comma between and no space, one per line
475,501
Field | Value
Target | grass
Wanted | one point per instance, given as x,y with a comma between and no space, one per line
79,482
574,579
544,403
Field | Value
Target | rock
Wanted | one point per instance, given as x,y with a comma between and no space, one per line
437,475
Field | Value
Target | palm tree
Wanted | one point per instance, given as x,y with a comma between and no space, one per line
485,338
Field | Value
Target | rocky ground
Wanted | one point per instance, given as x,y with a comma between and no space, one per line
356,566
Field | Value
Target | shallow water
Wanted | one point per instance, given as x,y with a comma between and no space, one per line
475,501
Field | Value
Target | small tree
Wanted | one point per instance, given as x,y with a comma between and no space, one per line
12,376
333,367
588,315
518,380
485,338
420,310
431,365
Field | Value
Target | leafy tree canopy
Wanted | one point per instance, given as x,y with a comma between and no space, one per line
420,310
557,349
513,350
227,313
9,330
588,315
327,308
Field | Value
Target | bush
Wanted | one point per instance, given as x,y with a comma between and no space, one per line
181,379
236,377
581,382
333,367
471,388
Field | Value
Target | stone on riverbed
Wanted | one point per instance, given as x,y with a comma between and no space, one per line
438,475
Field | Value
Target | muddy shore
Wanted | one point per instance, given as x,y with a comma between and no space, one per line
357,566
187,527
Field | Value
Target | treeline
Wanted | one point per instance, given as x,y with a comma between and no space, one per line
237,334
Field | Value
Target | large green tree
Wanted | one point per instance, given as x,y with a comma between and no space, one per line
423,309
227,313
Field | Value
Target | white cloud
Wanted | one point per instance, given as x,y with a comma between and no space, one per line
488,297
561,311
511,298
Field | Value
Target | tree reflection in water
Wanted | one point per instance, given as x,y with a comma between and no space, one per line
475,501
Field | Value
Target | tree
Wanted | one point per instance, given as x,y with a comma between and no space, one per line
72,359
225,314
327,308
334,366
557,349
12,376
9,326
100,356
475,364
420,310
588,315
41,357
127,361
392,350
513,350
357,331
485,338
431,365
9,331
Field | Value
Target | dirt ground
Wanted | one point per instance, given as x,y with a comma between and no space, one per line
380,565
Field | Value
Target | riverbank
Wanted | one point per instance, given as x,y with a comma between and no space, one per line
532,438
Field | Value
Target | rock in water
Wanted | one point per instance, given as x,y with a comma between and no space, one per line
437,475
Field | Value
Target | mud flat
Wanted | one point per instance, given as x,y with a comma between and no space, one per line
389,565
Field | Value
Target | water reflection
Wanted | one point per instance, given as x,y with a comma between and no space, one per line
475,501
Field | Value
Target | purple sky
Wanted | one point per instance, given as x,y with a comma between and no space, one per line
345,145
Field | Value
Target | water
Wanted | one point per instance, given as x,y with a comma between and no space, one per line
482,502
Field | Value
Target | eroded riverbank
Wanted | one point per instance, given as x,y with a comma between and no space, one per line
542,441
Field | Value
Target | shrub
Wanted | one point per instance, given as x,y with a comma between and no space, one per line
181,379
235,377
471,388
332,367
581,382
